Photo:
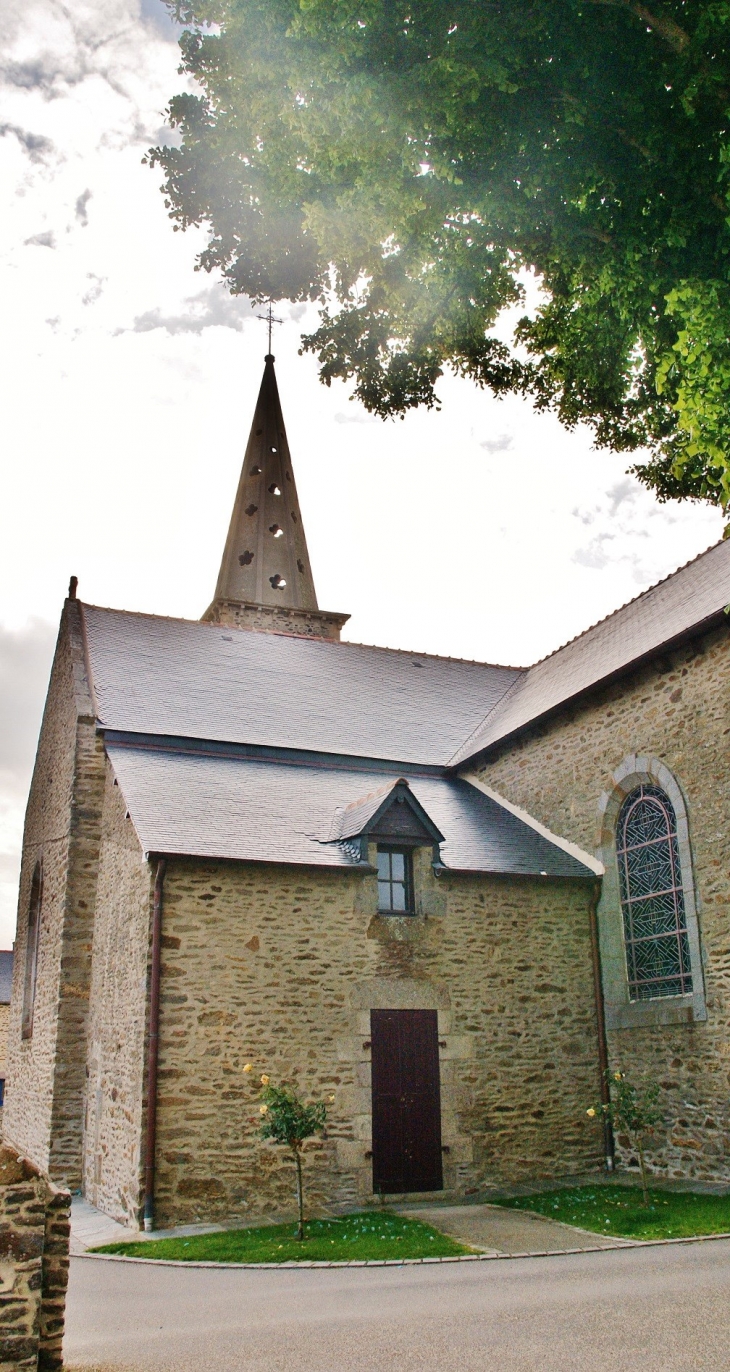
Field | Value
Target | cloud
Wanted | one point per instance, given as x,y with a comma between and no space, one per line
25,663
36,145
95,289
157,14
623,493
501,444
357,418
41,240
595,554
81,211
209,309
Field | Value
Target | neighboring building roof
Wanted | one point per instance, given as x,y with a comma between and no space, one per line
6,977
227,806
187,679
694,596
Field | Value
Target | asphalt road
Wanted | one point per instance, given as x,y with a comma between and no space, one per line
663,1309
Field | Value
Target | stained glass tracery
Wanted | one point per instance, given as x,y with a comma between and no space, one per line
652,896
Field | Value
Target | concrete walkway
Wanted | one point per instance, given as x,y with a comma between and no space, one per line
487,1228
90,1228
491,1229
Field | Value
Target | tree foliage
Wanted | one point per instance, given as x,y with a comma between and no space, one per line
288,1120
405,163
635,1111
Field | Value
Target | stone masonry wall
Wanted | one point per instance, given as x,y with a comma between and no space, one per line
677,710
117,1017
281,966
4,1026
43,1111
34,1244
270,619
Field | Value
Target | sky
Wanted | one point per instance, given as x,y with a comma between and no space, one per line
481,531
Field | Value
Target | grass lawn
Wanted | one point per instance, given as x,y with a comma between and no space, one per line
371,1234
619,1210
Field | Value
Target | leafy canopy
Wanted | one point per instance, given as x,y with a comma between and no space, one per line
405,163
286,1119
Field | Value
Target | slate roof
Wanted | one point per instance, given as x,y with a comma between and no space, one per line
227,806
690,598
369,713
207,681
6,977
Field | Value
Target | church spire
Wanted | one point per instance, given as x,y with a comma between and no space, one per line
265,580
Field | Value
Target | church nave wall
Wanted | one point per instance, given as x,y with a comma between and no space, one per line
113,1098
279,967
45,1071
676,710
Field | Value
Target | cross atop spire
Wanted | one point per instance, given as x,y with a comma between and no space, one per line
270,318
265,580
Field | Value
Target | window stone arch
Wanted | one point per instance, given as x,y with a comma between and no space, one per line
625,1007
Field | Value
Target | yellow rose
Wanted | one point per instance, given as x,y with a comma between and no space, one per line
617,1076
264,1080
248,1067
591,1112
263,1109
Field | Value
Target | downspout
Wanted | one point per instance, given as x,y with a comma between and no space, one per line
153,1050
608,1144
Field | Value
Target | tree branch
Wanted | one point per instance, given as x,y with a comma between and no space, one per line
661,24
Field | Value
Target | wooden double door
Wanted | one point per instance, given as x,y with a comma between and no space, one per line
406,1101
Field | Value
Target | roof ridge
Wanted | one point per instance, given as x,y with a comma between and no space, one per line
619,609
328,642
460,753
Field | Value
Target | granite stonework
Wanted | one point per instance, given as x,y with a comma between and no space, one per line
117,1026
34,1246
570,772
272,620
280,967
46,1072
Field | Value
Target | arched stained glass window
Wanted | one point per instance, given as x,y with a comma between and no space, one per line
652,897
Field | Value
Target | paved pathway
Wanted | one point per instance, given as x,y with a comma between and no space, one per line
654,1309
492,1229
90,1228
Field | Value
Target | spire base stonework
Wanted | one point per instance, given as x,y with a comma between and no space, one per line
279,619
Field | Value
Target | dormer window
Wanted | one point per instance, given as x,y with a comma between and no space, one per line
395,880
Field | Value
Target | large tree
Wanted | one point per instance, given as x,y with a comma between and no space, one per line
405,163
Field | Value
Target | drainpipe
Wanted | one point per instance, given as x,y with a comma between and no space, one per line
153,1050
608,1144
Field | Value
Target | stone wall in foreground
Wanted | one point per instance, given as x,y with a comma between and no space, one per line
34,1244
675,710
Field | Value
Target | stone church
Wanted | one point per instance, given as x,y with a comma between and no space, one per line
446,894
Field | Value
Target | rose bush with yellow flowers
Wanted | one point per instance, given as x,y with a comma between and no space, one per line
634,1110
286,1119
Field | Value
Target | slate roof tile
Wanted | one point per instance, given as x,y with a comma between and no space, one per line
263,811
686,599
197,680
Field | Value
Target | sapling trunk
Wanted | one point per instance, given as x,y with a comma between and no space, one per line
300,1194
642,1165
